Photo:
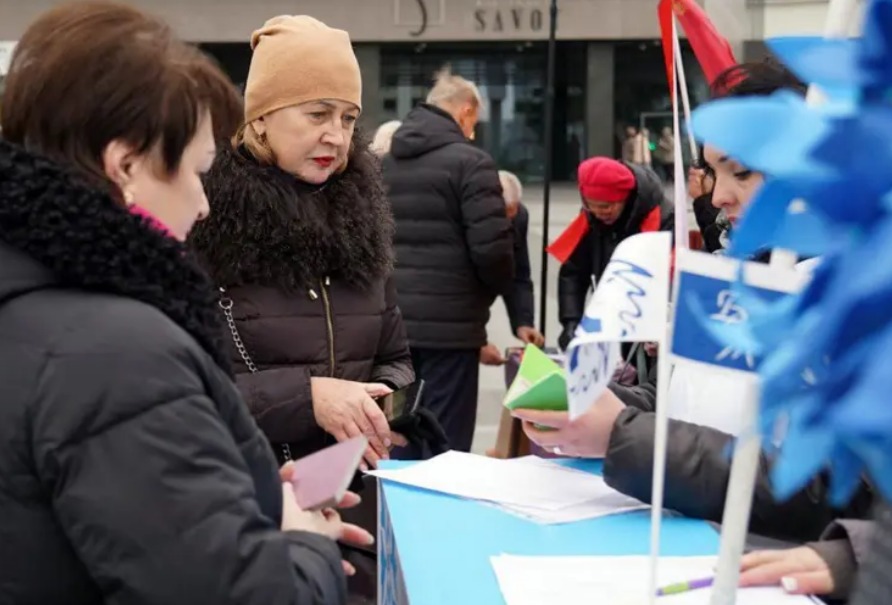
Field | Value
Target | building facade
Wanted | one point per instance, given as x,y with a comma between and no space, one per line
609,63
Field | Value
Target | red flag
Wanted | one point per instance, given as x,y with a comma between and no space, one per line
713,52
562,248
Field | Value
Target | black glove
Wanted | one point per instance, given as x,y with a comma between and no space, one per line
567,335
423,432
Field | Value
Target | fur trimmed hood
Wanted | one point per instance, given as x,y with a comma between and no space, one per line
268,228
66,234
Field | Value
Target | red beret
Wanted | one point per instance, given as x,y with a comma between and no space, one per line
605,180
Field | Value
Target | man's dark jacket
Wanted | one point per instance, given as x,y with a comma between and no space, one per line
454,244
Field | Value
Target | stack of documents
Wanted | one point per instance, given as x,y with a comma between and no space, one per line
533,488
615,581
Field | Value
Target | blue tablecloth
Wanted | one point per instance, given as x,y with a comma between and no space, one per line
434,549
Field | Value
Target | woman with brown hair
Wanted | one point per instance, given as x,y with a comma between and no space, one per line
130,470
300,241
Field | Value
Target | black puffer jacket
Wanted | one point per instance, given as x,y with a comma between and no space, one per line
453,239
594,251
130,471
308,271
698,464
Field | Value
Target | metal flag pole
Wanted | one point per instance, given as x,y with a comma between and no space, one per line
549,161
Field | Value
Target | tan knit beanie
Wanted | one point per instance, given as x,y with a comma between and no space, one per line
298,59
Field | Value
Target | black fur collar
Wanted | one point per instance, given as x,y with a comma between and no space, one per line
269,229
89,242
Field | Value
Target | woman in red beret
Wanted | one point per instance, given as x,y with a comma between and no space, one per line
618,200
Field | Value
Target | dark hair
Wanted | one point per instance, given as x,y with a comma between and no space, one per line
87,73
759,78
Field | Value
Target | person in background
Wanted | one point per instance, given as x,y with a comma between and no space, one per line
455,251
619,427
665,154
643,155
619,199
629,150
383,136
520,300
133,472
712,227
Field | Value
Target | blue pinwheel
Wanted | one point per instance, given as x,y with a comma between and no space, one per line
827,193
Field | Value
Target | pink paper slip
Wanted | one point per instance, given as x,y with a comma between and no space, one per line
322,478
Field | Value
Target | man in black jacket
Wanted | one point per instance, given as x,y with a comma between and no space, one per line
619,200
454,247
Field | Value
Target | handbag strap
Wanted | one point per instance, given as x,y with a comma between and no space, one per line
226,304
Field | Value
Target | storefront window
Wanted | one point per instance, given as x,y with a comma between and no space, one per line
511,79
641,94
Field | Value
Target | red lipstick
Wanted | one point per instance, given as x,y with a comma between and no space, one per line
324,161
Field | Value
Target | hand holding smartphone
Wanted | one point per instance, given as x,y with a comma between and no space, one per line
401,402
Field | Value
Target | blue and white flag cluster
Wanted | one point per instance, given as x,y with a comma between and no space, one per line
828,192
711,304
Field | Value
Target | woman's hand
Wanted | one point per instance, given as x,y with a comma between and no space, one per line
326,522
799,570
345,409
376,389
585,437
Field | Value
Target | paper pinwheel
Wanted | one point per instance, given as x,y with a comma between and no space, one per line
827,193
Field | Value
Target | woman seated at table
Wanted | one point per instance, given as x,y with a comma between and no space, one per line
620,426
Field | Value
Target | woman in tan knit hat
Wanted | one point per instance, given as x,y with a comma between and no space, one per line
300,240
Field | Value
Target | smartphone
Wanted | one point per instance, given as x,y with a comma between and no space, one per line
401,402
322,478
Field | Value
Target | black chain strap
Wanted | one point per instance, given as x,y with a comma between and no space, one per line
226,305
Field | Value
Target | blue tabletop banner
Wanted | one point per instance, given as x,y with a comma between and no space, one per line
713,308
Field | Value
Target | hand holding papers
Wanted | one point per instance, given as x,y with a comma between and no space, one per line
541,384
538,490
585,437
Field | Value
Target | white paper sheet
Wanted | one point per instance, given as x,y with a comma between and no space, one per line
614,581
527,483
608,501
609,504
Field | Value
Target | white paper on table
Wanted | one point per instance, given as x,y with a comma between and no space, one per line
608,501
546,486
609,504
614,581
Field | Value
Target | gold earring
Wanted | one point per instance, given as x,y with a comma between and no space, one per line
128,198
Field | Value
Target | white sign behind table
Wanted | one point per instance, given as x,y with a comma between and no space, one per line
629,305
